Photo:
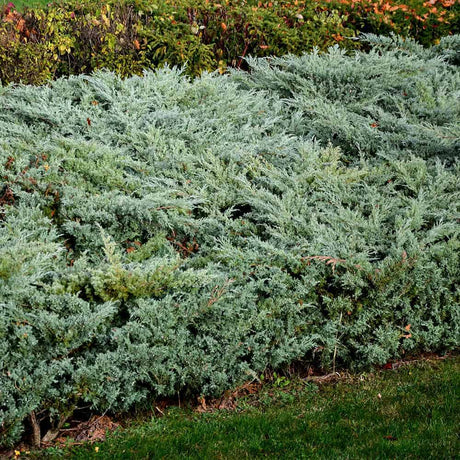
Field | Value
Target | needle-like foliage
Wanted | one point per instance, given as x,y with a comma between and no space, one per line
162,235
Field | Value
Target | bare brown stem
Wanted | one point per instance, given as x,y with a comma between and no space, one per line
36,434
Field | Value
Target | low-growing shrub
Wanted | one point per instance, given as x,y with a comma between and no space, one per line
161,235
129,36
365,105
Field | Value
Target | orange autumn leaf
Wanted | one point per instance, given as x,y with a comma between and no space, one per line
21,25
11,16
390,438
407,328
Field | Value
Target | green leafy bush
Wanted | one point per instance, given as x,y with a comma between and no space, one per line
74,37
162,235
427,21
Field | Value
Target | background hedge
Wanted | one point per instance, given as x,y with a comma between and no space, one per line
129,36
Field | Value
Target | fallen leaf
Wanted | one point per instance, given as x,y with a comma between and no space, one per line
390,438
202,402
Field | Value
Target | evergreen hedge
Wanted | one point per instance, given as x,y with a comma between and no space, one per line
162,235
128,36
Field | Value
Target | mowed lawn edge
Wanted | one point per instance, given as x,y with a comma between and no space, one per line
410,412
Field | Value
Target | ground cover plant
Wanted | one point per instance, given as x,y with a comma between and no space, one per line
410,412
162,236
74,37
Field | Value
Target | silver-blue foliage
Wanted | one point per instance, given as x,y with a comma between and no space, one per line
162,235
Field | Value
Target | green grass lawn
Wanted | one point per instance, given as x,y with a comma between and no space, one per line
20,4
411,412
